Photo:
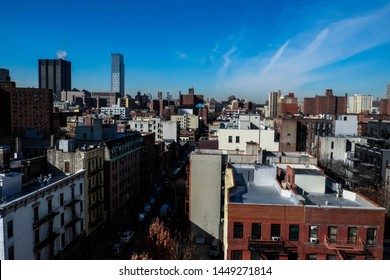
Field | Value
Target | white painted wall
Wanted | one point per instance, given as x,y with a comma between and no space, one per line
22,215
245,136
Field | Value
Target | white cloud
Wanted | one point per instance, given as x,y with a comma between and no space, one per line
61,54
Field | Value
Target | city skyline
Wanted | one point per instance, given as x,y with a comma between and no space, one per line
221,48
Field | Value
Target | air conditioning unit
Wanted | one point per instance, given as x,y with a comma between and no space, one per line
313,240
275,238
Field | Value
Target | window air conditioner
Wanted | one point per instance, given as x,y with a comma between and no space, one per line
275,238
313,240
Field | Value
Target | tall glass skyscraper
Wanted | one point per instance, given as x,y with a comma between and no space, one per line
117,74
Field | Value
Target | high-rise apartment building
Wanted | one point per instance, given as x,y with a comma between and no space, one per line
4,75
328,104
117,73
359,103
388,91
273,103
55,74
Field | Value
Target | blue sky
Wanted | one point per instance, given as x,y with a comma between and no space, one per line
221,48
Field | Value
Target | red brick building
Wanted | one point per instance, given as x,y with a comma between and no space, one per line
191,99
295,212
328,104
28,108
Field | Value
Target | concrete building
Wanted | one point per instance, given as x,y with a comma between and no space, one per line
122,165
117,74
186,122
346,125
338,148
273,103
293,211
359,103
55,74
288,105
122,112
164,130
68,158
4,75
42,220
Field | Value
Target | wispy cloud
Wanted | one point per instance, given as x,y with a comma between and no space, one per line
226,62
291,65
275,58
181,56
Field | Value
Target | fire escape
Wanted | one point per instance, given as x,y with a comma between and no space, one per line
347,248
272,249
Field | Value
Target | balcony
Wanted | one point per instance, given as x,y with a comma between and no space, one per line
95,204
49,216
96,222
74,220
72,202
342,247
95,188
275,246
51,236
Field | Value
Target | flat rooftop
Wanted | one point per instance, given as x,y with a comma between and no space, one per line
264,189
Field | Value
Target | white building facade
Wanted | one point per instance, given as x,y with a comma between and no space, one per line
41,223
163,130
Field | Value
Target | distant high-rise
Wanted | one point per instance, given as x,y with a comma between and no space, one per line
4,75
273,102
117,74
55,74
388,91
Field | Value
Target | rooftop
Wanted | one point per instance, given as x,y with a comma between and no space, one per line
257,184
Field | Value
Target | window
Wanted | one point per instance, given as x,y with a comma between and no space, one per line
313,231
237,255
237,139
10,229
311,256
352,235
81,188
255,256
294,233
238,230
61,199
36,213
11,252
36,236
371,236
63,240
67,166
332,233
230,139
330,257
275,230
256,231
49,205
332,145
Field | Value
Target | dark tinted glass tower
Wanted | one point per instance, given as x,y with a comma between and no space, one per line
117,74
55,74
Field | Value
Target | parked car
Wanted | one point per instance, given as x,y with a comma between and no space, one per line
215,248
165,210
117,249
126,236
142,216
147,208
